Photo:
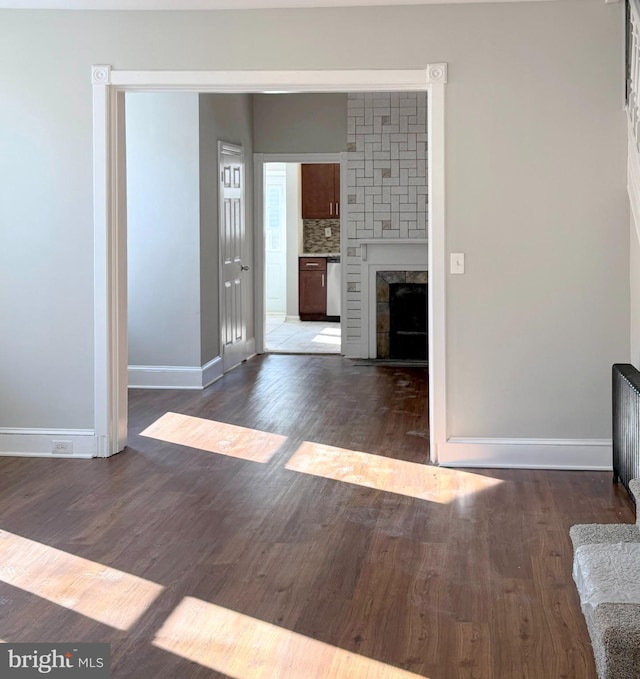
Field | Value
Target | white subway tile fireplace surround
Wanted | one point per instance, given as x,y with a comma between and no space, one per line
387,202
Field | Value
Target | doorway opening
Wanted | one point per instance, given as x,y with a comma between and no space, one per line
110,226
302,270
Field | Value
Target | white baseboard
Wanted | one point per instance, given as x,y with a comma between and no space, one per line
211,372
582,454
39,442
292,319
174,377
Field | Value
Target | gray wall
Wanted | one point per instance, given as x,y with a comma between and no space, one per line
172,207
223,117
300,123
163,229
535,162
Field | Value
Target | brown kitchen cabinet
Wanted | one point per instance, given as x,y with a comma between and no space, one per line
321,191
312,288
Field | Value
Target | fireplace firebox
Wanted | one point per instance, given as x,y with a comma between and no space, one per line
401,318
408,321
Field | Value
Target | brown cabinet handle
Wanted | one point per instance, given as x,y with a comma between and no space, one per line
311,264
331,209
323,280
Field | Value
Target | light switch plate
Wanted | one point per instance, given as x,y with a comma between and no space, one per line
457,263
327,232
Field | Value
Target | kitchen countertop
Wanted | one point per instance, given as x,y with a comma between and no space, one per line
320,254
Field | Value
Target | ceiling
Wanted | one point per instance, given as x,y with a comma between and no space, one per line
219,4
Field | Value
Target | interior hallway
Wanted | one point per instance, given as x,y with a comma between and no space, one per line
304,552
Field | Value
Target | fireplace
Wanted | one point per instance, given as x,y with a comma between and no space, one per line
401,315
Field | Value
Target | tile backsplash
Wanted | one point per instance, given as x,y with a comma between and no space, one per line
314,238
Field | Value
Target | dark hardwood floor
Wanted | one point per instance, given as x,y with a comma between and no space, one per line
326,550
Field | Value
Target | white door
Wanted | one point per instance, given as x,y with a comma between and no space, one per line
233,308
275,238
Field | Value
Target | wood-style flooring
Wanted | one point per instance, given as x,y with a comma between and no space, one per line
284,524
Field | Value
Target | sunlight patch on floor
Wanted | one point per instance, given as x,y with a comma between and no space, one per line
412,479
307,337
215,437
110,596
327,339
243,647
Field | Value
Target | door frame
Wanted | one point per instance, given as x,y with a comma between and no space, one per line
110,228
283,228
259,161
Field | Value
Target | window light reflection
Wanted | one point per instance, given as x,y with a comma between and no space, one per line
326,339
215,437
243,647
412,479
105,594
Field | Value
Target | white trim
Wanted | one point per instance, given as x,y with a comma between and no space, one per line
258,252
211,371
306,158
174,377
110,249
110,265
437,290
633,179
344,244
164,377
292,319
103,278
580,454
242,82
38,442
393,241
365,243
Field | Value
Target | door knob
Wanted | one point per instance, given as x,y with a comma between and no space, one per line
244,268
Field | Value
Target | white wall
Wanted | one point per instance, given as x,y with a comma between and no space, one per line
163,229
535,158
300,123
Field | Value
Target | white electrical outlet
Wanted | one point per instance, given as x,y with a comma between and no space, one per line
327,232
62,447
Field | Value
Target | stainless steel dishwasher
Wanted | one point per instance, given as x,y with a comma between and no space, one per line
334,286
